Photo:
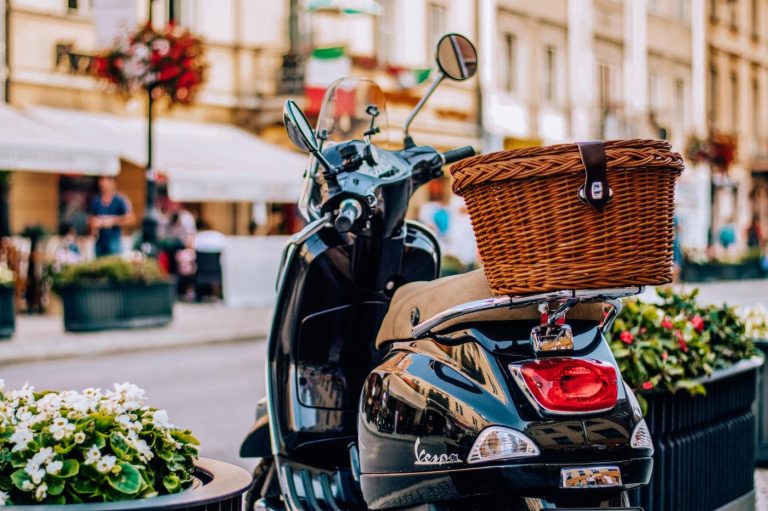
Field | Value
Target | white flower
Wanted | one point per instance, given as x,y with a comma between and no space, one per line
45,455
3,495
41,492
24,414
79,437
92,455
61,428
105,464
54,467
2,386
21,437
27,485
160,419
36,474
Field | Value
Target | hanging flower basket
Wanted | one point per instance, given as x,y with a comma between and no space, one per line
168,63
718,150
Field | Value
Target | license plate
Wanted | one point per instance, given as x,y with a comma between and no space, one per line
590,477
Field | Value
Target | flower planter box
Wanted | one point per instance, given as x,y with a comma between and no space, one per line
221,487
705,445
108,306
707,272
761,456
7,312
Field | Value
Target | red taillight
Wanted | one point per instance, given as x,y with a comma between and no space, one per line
570,385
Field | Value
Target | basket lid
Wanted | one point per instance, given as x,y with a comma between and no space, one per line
562,159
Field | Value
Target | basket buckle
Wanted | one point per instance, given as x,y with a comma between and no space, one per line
595,190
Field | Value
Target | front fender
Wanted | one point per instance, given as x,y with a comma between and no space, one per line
257,443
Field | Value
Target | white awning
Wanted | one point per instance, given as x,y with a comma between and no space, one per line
203,161
34,146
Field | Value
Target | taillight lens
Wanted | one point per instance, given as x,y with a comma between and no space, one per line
569,385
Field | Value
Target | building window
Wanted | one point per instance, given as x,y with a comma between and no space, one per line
550,74
756,108
735,103
680,101
754,19
713,91
654,97
436,15
509,63
386,28
72,6
713,11
734,14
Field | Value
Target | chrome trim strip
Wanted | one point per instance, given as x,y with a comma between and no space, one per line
575,296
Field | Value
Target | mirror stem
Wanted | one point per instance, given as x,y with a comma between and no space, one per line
408,140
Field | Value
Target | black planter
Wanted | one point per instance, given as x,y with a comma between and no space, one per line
705,445
107,306
7,312
707,272
761,456
221,488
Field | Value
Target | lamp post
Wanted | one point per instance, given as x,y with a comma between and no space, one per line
149,222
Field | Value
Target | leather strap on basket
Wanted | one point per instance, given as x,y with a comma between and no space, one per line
595,190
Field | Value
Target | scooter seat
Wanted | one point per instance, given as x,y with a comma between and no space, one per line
433,297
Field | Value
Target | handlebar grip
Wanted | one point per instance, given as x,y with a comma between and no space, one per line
459,153
350,211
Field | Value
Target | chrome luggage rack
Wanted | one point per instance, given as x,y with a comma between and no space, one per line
567,300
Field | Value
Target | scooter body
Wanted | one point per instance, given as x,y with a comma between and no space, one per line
455,414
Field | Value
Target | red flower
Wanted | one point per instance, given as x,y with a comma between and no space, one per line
626,337
648,385
698,323
667,324
664,355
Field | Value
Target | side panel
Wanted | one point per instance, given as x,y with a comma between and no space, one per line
332,298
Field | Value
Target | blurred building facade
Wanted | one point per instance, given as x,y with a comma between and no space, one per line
551,71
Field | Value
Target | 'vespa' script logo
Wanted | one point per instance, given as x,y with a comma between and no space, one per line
424,458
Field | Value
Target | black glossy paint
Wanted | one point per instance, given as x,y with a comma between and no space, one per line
435,397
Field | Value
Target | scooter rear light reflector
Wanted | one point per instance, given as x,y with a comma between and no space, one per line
569,385
496,443
641,437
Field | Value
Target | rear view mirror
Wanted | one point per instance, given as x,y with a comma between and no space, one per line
298,128
456,57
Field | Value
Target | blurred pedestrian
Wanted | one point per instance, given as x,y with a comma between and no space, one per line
755,235
110,212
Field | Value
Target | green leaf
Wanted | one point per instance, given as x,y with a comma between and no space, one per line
19,477
55,485
119,445
84,486
69,468
172,483
127,480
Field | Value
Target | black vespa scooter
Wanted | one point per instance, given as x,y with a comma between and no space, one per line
388,389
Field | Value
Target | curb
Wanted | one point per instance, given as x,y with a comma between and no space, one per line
67,346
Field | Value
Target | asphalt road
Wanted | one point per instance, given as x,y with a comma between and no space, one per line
211,390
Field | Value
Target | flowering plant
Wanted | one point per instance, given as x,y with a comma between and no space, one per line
756,323
6,275
112,269
670,344
71,447
718,150
166,63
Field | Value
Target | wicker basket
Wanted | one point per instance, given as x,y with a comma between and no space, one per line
535,233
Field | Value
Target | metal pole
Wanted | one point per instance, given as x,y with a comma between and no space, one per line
149,222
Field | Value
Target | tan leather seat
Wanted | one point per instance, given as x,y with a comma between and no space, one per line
435,296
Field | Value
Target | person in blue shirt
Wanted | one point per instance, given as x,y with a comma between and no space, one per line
110,211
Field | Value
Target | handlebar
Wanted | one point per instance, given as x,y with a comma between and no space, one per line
457,154
349,211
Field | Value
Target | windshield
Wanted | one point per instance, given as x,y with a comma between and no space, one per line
343,113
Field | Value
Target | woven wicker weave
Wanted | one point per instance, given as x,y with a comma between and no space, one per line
534,234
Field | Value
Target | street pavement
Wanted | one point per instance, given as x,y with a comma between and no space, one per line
211,389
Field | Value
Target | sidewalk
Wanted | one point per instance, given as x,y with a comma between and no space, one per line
44,338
